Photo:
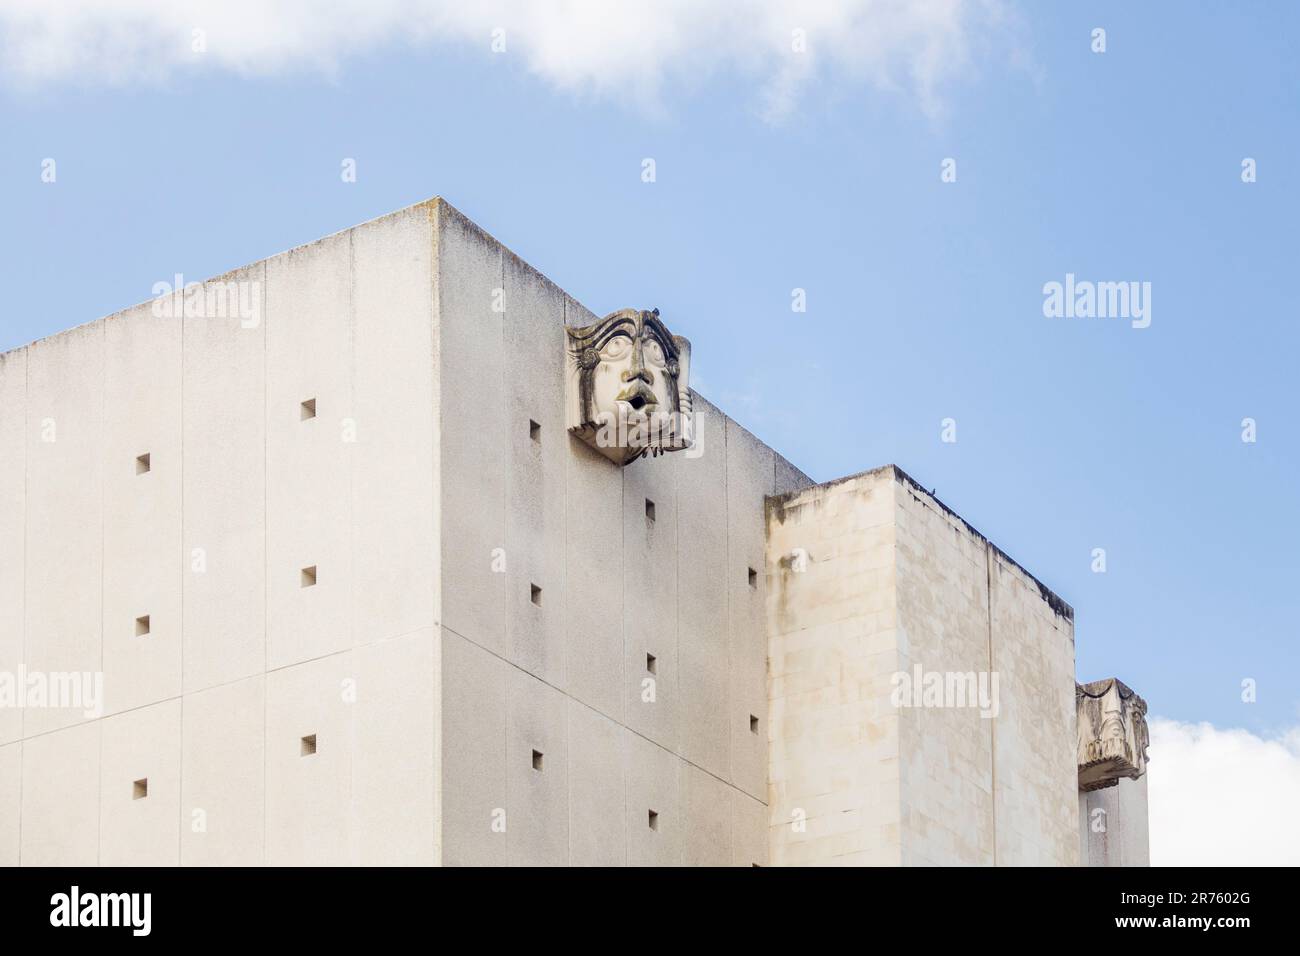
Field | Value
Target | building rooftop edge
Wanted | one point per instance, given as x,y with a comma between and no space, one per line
1055,601
432,201
435,202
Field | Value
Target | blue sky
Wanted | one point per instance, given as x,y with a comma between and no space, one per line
924,298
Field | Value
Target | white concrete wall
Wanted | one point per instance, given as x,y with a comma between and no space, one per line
427,678
1113,825
240,661
1036,781
224,496
894,580
418,660
948,768
567,678
63,566
13,535
835,764
965,606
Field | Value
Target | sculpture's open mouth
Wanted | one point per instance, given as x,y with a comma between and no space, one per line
639,396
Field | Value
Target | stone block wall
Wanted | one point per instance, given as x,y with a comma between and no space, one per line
876,586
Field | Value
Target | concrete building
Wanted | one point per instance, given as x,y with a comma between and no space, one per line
308,564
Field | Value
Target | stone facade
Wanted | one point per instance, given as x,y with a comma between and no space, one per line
876,582
357,594
638,670
1112,754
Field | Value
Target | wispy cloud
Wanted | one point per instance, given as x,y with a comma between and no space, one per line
620,49
1220,797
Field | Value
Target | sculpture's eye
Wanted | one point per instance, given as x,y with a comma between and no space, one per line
654,353
616,348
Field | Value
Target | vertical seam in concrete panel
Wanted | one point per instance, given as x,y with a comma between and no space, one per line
180,785
564,592
22,782
27,466
505,531
349,458
568,775
680,700
993,736
350,407
624,714
767,694
103,557
180,580
564,561
898,516
266,570
731,828
103,418
730,592
564,661
435,491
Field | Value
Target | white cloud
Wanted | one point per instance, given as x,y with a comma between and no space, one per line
1219,797
628,50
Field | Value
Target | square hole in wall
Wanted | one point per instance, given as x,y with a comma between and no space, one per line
534,430
653,819
142,464
535,594
649,510
140,788
308,577
753,578
308,409
753,724
142,626
537,759
307,746
651,663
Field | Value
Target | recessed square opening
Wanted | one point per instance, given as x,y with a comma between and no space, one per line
753,578
142,626
651,663
649,510
535,594
652,819
753,724
142,464
140,788
308,409
537,759
308,577
534,430
307,746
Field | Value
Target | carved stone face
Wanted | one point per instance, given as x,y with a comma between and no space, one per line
1113,735
628,390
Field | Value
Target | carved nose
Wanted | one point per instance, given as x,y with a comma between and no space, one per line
638,372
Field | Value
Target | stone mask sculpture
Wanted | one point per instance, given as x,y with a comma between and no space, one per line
1113,736
628,390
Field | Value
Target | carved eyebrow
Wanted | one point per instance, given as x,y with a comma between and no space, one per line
626,327
598,337
623,329
665,342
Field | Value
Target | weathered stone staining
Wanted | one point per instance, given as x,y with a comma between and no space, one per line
1112,758
628,386
1113,736
505,600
